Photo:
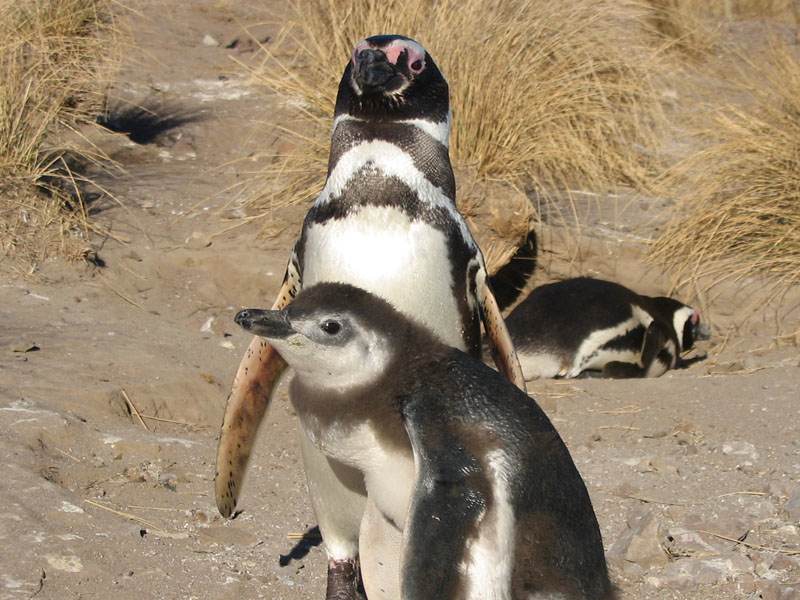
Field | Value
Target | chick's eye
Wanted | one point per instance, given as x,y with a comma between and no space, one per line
331,327
416,66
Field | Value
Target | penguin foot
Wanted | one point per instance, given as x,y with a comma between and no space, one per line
344,580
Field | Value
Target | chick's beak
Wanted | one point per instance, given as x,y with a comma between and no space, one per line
271,324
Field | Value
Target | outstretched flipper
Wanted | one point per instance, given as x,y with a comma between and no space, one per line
250,396
505,357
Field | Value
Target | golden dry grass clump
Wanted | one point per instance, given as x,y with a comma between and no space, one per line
55,61
685,25
739,207
547,95
697,26
731,9
770,9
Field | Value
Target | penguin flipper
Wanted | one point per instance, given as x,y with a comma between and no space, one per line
505,357
250,396
446,507
658,351
655,356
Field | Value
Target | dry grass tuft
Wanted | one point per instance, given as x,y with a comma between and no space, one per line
685,25
770,9
739,208
55,60
545,95
696,27
728,9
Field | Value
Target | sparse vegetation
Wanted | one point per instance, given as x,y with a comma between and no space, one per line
739,207
55,60
545,95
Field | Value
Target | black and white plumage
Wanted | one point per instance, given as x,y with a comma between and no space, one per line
584,325
483,500
385,221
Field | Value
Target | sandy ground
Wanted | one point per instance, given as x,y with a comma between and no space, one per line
94,505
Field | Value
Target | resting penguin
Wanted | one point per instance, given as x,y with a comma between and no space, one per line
482,500
385,221
583,325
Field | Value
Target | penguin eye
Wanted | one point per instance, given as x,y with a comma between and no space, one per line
416,66
331,327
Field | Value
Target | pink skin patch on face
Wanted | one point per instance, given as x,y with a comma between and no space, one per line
393,53
695,318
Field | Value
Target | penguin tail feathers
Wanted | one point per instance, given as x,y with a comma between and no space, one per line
509,281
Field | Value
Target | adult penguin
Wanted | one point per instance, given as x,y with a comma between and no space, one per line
386,221
583,326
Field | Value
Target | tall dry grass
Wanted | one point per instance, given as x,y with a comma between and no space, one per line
770,9
545,95
696,27
56,57
723,9
686,25
739,209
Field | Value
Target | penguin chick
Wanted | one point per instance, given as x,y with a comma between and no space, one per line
582,326
469,477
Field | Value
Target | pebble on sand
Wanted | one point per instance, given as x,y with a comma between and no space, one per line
740,449
639,543
688,573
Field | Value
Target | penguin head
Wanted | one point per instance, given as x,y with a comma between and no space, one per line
392,75
694,329
685,321
335,336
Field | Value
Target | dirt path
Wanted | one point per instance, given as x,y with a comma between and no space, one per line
156,323
95,504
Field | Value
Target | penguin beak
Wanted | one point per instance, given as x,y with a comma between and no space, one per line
373,70
702,331
271,324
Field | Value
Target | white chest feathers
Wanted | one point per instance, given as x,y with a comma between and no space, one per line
389,472
383,251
